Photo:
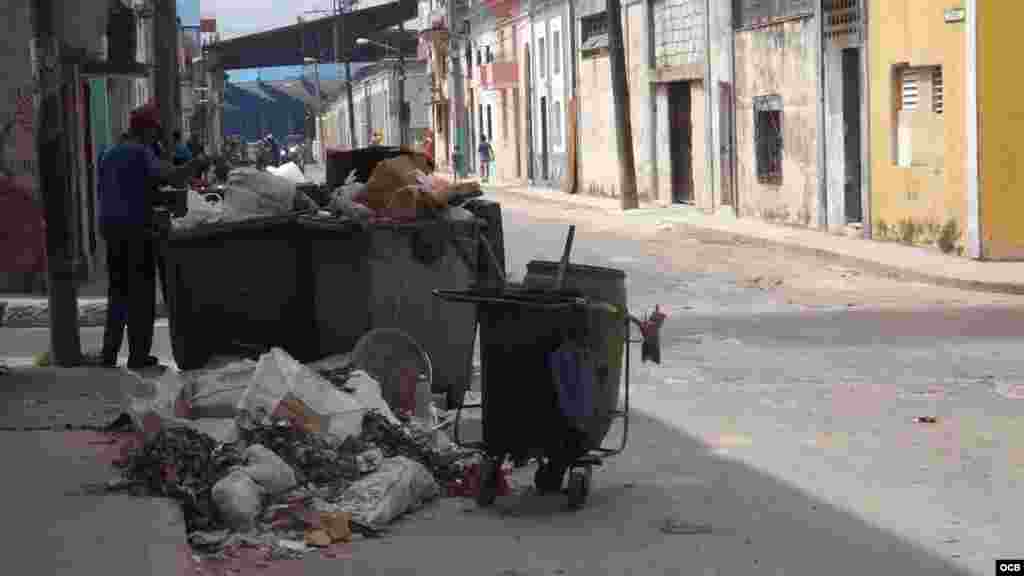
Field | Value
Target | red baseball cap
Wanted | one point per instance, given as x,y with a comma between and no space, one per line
145,117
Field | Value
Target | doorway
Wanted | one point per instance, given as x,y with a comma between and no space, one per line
852,141
681,142
543,138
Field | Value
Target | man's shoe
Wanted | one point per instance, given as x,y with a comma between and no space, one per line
147,362
101,360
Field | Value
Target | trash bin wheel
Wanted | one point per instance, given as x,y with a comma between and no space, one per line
579,487
548,478
488,493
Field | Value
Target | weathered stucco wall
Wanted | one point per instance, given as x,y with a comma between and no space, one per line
703,196
1001,122
779,60
507,147
916,199
524,51
598,148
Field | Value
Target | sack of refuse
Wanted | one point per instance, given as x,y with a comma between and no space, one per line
251,192
217,388
284,388
289,171
399,187
166,401
239,500
345,202
398,486
268,470
207,209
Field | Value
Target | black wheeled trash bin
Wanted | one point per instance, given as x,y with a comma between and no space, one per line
524,416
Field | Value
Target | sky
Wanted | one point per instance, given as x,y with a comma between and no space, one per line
188,11
241,17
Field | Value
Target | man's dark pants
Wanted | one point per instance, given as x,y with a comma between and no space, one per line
131,296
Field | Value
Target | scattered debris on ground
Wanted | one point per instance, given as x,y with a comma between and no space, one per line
684,527
280,478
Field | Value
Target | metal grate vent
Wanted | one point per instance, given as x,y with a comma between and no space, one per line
911,89
842,21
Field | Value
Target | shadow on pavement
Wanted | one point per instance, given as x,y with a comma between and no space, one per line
34,398
759,525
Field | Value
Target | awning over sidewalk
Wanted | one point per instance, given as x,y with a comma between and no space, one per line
290,45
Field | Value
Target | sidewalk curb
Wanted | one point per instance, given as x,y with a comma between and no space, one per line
35,314
873,266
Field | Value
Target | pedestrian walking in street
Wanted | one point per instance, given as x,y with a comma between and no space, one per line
182,153
486,154
128,177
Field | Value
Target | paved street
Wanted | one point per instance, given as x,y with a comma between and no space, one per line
784,415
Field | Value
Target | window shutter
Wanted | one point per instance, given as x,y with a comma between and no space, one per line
910,89
937,93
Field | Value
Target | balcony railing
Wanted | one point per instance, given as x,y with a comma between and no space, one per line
498,75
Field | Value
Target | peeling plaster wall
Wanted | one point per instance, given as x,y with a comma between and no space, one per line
915,33
507,148
702,195
720,60
779,59
598,148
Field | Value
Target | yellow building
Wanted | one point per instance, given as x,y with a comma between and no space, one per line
946,120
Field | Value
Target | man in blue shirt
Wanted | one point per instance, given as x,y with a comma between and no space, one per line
128,176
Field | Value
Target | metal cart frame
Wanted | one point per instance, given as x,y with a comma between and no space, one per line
580,470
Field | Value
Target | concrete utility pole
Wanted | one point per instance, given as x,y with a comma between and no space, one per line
53,152
348,72
403,119
620,97
165,55
456,95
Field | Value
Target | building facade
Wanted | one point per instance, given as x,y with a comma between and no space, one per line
375,105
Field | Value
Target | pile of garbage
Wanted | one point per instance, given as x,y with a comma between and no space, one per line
402,189
309,455
248,193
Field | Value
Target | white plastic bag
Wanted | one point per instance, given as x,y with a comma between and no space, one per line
168,402
268,470
400,485
252,193
239,500
222,430
290,171
367,392
216,392
278,377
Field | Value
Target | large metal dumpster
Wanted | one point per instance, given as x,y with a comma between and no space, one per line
313,286
232,287
406,263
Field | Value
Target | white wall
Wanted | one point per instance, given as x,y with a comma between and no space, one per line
556,123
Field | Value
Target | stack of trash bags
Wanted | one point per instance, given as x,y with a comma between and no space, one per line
295,456
248,193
